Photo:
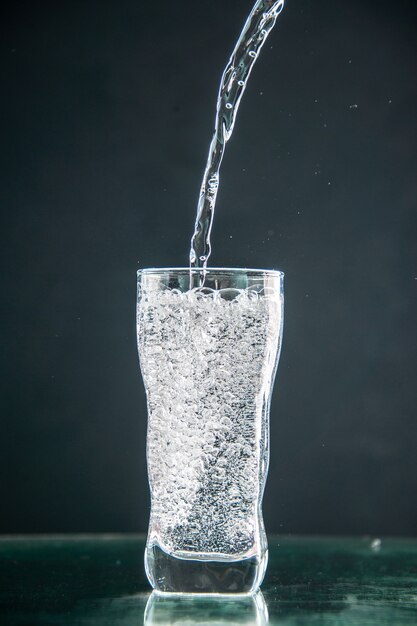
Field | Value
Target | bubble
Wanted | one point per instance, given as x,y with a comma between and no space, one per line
203,391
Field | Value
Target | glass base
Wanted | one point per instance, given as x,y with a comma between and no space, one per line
170,574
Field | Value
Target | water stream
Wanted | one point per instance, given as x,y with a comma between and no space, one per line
232,86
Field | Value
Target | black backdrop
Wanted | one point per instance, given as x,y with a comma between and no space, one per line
107,112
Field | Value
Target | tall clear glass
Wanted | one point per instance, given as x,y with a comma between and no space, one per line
208,357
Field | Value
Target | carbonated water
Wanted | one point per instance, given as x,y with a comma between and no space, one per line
208,360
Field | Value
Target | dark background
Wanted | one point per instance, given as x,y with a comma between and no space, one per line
107,113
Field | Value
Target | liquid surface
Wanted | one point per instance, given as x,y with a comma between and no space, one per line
208,361
234,80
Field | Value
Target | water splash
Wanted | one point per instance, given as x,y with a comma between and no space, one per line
234,80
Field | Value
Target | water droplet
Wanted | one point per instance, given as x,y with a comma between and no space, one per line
376,545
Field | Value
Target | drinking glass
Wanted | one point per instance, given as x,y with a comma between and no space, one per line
208,356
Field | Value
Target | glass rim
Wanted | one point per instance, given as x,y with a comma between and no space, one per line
210,270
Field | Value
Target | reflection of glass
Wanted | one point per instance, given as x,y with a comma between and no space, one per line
208,357
199,610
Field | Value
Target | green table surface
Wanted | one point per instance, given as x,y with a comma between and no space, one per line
99,579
